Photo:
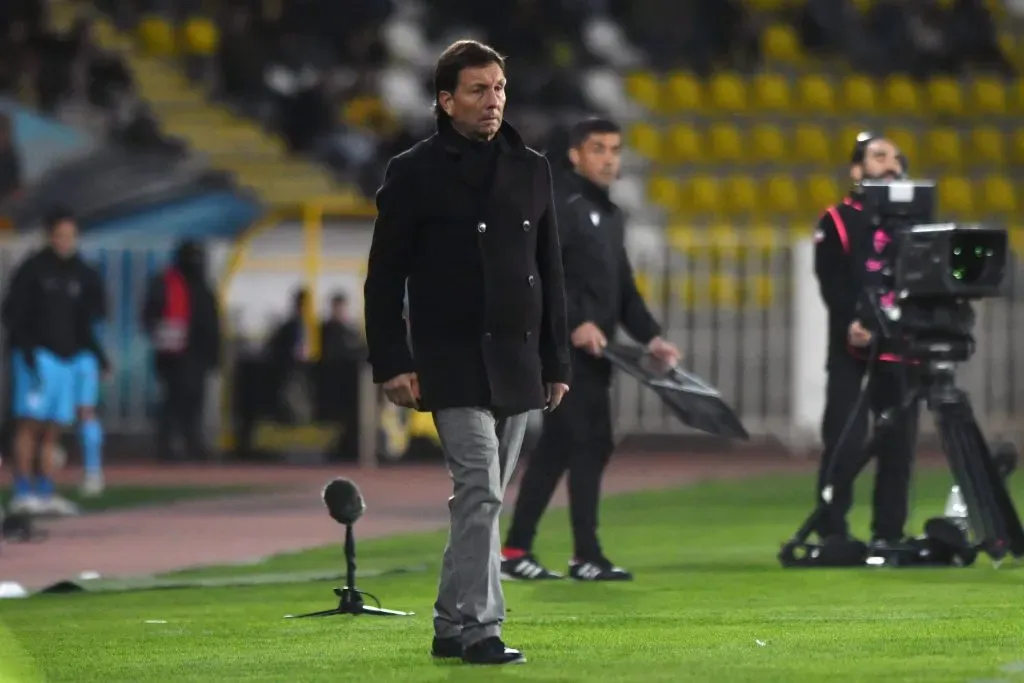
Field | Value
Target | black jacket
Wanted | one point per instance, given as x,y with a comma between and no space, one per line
472,230
50,305
850,257
599,283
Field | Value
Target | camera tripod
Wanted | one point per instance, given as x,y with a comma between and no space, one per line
994,522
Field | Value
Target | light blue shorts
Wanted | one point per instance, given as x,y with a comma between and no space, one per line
87,380
46,394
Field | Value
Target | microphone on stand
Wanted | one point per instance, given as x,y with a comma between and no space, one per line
346,505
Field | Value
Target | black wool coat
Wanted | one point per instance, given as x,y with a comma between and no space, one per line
472,239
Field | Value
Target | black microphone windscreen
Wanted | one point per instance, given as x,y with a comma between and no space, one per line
344,501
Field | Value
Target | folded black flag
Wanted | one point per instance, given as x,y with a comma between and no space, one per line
695,402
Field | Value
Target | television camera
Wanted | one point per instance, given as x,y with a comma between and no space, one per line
925,305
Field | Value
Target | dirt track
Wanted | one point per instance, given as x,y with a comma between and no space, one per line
244,528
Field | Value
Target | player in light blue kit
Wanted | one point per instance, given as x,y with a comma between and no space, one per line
89,365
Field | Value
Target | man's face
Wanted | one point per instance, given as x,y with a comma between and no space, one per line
63,238
339,311
881,162
599,158
478,103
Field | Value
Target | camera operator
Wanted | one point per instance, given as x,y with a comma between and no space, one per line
851,255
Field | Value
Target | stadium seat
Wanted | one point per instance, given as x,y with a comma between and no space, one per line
1016,97
859,95
815,95
726,143
156,36
740,197
906,141
704,195
996,196
727,92
684,145
780,195
645,139
767,143
956,198
811,145
942,148
200,37
643,87
846,139
1017,147
988,96
769,6
771,93
945,96
822,192
780,43
901,96
863,6
683,93
987,147
664,192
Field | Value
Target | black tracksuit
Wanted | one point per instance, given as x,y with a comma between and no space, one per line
577,437
850,255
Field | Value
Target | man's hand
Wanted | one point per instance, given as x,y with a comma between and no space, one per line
857,335
554,394
589,338
403,390
665,351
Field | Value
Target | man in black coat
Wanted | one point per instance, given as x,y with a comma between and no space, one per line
601,294
466,225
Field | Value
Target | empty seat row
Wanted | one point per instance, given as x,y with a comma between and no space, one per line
726,92
780,194
937,147
719,290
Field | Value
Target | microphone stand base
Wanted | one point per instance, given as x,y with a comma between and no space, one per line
352,603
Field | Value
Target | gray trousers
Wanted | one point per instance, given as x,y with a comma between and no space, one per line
481,453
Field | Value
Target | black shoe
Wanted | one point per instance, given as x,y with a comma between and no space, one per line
598,570
491,651
446,648
526,568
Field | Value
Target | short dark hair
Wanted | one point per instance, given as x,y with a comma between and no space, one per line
462,54
595,125
339,299
56,216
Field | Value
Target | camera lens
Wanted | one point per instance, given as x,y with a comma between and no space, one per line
969,256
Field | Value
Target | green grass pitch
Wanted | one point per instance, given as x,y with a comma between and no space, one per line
710,603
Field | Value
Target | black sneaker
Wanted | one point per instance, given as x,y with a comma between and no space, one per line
600,570
446,648
526,568
491,651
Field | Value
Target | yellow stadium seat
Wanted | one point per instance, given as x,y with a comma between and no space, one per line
957,197
859,96
942,148
863,6
200,36
684,145
1016,103
901,96
811,145
945,96
767,144
740,197
705,195
1017,147
996,196
665,193
683,93
726,143
780,43
905,141
727,92
724,243
988,96
987,147
156,36
781,196
815,95
769,5
644,88
646,140
771,93
822,192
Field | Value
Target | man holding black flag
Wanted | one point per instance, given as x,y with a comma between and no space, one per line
600,295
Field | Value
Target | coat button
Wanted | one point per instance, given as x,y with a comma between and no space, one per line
530,280
487,336
528,335
481,227
526,226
